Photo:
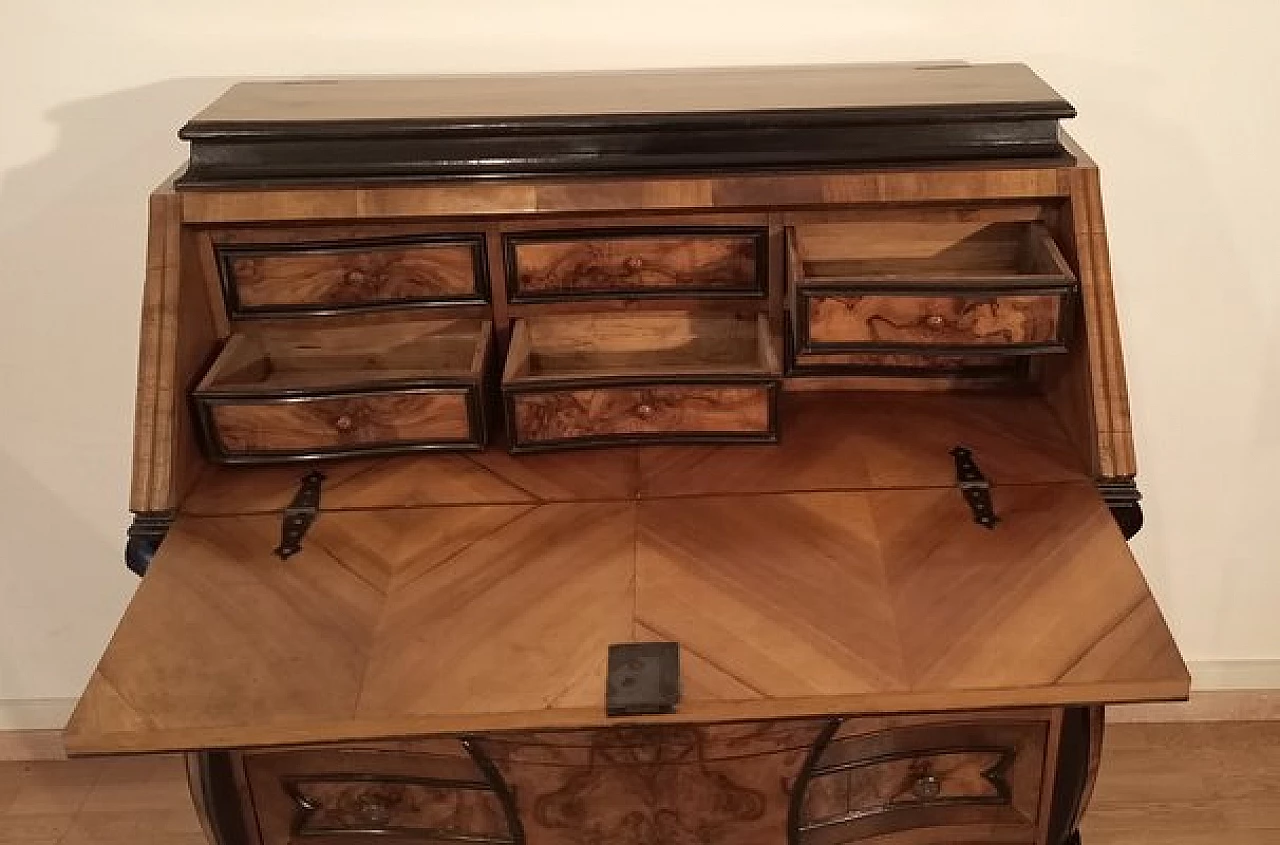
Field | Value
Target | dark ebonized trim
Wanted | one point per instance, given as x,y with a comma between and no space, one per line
795,807
143,538
477,435
267,153
214,785
226,253
499,787
518,296
516,447
1071,782
1122,496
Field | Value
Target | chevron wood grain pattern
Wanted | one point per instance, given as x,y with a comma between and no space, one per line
833,441
404,621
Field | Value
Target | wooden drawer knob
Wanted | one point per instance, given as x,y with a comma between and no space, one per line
355,277
634,263
935,321
374,811
644,411
926,787
344,423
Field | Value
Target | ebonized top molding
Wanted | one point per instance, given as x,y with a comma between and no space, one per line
261,133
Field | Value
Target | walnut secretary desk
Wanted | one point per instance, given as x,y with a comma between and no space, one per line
730,457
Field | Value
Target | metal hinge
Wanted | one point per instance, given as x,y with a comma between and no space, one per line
975,488
299,515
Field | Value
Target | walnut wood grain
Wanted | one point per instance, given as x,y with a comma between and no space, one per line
342,423
296,392
380,788
849,321
561,415
267,278
646,786
811,602
636,263
833,441
873,782
178,336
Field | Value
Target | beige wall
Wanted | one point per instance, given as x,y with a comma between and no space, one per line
1178,102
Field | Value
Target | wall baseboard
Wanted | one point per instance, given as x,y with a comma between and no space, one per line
1222,691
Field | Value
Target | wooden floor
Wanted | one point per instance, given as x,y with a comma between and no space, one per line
1186,784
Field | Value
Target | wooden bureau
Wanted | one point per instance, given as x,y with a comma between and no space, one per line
467,405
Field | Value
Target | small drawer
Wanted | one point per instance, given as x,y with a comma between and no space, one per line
287,394
321,277
343,796
946,775
637,263
658,377
938,289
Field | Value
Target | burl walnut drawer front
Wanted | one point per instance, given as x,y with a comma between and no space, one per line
352,796
730,411
952,777
295,392
342,423
887,322
929,289
580,380
702,262
355,274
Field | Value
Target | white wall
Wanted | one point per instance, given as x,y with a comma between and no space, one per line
1178,102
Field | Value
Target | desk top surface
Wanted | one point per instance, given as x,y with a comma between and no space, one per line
839,572
847,87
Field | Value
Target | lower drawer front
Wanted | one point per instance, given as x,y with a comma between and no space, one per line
323,797
900,321
949,778
272,430
660,412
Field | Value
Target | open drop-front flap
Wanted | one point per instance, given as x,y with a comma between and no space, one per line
841,571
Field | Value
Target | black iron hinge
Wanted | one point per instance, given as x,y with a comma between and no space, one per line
975,487
299,515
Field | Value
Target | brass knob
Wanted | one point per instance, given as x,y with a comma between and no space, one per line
926,787
355,277
644,411
343,423
935,321
634,263
374,810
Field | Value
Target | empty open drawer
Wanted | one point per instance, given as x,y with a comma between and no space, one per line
662,376
285,394
932,288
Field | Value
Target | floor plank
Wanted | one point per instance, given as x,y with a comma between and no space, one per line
1160,784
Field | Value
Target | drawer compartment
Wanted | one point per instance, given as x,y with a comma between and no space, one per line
946,775
637,263
658,377
327,276
298,393
324,796
937,289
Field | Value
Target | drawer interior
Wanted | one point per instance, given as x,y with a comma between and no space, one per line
284,359
656,344
944,253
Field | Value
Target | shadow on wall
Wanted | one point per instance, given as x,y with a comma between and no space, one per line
72,252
